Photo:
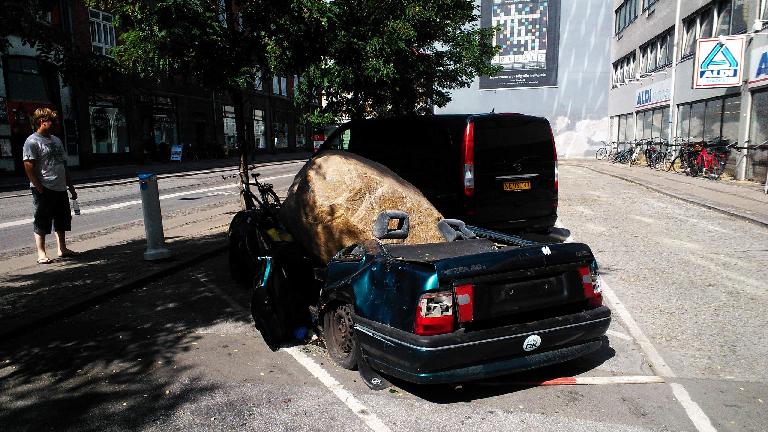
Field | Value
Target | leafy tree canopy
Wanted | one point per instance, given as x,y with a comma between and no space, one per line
387,57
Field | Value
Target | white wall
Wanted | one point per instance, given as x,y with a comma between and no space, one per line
578,107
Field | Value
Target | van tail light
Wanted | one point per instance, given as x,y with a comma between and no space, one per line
468,158
434,314
554,158
592,290
465,302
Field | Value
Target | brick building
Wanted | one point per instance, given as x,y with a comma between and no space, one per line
104,122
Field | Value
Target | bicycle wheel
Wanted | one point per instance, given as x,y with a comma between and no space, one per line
601,153
270,199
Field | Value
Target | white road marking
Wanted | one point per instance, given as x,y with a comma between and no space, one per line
345,396
692,409
99,209
370,419
618,335
695,413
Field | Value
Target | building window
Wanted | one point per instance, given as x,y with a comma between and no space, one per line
648,3
102,32
230,127
623,70
657,53
109,131
280,86
222,12
259,129
764,11
709,22
5,147
27,79
301,136
710,120
625,14
653,124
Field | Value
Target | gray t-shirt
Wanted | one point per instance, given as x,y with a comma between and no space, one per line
50,160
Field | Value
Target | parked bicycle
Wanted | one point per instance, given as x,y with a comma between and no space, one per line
606,151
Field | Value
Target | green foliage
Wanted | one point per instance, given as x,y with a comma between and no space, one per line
389,57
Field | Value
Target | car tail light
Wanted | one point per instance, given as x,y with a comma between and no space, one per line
465,302
468,158
434,314
592,291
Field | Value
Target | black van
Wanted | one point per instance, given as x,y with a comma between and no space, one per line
492,170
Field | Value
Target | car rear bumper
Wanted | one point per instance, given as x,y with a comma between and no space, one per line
467,356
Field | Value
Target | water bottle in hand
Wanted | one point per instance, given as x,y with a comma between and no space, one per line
75,207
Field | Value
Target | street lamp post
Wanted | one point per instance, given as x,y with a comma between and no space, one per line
672,111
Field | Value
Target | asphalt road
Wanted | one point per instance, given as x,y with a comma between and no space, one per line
181,354
106,206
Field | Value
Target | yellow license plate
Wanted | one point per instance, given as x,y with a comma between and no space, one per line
517,185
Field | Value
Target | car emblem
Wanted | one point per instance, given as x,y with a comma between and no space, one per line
531,342
545,250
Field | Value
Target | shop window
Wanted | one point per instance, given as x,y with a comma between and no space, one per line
697,121
731,114
109,131
665,123
280,129
758,134
764,10
713,114
230,127
259,129
656,124
301,136
683,121
5,147
705,24
102,32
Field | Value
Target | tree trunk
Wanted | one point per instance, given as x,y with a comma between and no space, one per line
236,96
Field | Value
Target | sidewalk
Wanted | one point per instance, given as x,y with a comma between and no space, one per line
742,199
10,182
32,295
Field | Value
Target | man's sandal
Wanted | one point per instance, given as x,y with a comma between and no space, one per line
44,260
69,254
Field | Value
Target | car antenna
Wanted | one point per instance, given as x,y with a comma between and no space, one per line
493,110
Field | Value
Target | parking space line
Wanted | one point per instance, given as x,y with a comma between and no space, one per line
360,410
592,380
619,335
697,416
344,395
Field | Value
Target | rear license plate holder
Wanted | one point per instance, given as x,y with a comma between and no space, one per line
516,186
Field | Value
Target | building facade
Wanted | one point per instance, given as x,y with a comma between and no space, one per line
556,64
108,123
663,87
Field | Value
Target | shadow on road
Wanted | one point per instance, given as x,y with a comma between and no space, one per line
117,365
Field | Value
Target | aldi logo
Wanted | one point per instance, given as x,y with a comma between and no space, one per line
758,71
719,62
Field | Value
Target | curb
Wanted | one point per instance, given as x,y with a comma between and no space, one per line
76,306
682,198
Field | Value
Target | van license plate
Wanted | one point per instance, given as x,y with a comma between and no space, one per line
517,185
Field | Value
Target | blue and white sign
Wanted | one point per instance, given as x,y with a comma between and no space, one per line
758,70
652,95
719,62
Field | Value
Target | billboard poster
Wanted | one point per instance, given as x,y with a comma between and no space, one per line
758,70
719,62
528,36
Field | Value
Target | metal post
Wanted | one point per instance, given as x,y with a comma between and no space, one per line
672,111
153,218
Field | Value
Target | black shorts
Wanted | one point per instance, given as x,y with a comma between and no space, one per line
51,206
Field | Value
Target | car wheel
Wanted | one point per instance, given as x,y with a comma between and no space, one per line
338,332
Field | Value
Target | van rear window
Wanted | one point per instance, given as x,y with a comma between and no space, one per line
512,139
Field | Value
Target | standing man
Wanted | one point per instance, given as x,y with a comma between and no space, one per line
46,167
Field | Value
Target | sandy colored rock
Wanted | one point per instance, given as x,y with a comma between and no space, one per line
336,197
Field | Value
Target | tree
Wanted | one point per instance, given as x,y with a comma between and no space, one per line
390,57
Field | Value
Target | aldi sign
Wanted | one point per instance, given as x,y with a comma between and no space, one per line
652,95
719,62
758,71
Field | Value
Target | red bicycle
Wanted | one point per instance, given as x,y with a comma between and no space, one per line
711,160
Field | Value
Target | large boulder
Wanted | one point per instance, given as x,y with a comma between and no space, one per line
335,198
